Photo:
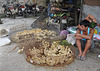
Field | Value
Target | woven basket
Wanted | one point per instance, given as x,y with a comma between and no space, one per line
40,54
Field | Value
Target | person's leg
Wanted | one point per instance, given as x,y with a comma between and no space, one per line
78,43
83,43
87,46
92,44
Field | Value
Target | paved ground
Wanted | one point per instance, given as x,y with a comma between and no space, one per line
14,61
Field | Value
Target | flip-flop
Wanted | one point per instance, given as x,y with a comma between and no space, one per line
83,58
78,57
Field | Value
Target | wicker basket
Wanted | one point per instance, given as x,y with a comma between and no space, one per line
21,38
35,54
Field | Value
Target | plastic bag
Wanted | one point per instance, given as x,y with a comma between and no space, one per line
4,41
71,39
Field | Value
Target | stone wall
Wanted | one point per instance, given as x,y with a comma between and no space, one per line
41,2
2,2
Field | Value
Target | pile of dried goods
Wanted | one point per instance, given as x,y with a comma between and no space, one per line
37,33
46,53
41,50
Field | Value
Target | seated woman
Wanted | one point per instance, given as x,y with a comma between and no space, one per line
84,32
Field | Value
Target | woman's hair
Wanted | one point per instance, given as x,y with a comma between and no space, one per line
85,23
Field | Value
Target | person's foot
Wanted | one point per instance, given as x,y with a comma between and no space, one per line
79,56
83,58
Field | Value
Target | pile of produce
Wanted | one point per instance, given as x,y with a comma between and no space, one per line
48,53
39,34
41,50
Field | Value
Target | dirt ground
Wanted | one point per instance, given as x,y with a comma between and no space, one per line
14,61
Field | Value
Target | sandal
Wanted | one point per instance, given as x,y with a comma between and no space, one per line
83,58
78,57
